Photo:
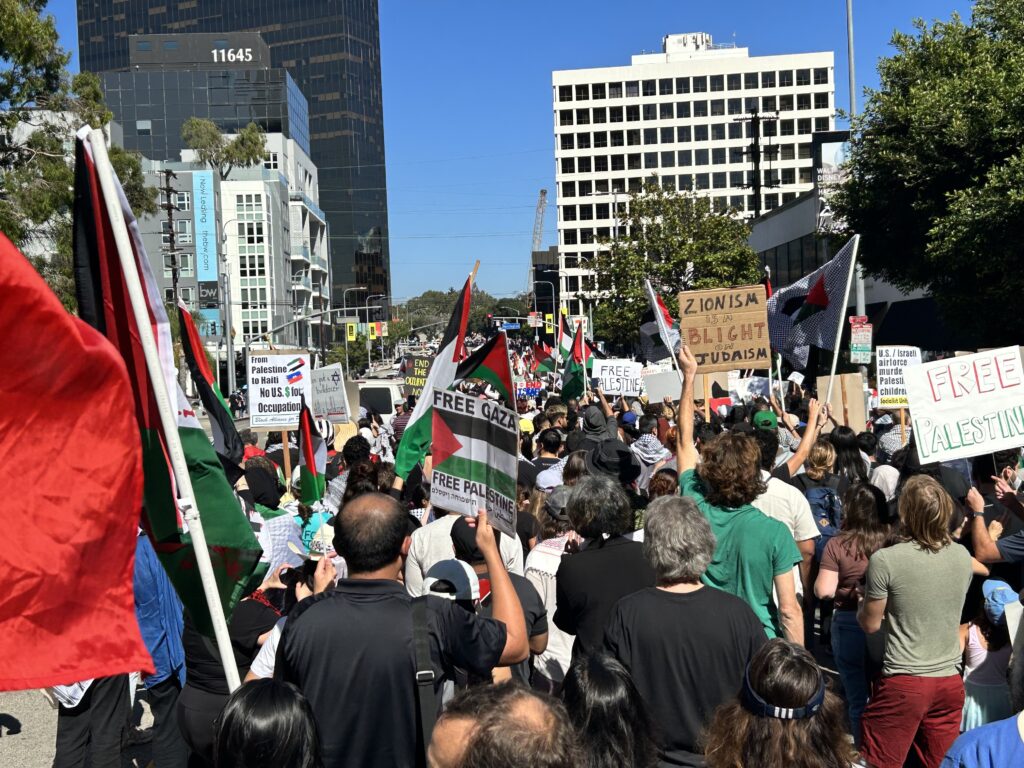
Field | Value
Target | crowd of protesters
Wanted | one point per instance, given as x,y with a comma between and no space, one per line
677,589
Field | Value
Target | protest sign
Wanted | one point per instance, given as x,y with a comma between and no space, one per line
967,406
618,377
891,361
726,328
750,388
475,449
661,384
796,377
330,397
848,401
860,343
417,368
276,379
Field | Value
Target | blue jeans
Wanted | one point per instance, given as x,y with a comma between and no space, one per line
849,649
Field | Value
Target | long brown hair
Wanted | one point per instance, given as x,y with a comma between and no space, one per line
925,512
575,468
784,675
731,470
820,460
865,520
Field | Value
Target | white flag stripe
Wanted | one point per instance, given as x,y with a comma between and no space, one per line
501,461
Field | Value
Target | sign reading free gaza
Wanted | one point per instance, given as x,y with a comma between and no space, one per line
968,405
275,383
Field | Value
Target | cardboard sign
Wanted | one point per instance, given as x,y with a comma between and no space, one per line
417,368
726,328
475,451
330,396
618,377
967,406
854,415
276,379
891,362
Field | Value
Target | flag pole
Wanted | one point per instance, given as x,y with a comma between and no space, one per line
842,319
168,415
662,331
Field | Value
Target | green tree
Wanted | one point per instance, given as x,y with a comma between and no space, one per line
245,150
677,242
936,167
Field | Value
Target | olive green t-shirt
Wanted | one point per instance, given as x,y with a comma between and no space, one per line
924,593
751,550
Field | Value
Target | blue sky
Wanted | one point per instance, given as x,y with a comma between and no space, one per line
467,105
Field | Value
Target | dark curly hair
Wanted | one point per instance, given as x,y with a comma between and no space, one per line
731,470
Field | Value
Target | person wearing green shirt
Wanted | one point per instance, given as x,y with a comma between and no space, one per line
754,552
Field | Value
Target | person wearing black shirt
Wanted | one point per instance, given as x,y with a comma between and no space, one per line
351,652
685,644
607,567
549,447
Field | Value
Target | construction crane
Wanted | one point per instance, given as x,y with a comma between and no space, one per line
538,220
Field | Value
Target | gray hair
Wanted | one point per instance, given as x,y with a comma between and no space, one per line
678,542
597,505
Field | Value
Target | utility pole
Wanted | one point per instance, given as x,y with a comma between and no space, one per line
754,120
860,302
171,248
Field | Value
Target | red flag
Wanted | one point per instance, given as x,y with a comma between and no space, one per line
69,440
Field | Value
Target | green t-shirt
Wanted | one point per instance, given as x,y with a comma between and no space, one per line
752,550
924,593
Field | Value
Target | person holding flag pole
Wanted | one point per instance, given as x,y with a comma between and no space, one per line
667,330
167,414
842,318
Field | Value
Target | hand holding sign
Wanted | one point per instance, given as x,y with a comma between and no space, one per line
687,361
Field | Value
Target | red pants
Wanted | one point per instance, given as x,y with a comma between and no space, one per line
909,713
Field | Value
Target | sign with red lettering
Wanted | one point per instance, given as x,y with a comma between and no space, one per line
967,406
726,328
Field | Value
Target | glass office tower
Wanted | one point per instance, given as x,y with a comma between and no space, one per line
332,50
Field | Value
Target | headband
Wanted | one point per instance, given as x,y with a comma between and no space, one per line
758,706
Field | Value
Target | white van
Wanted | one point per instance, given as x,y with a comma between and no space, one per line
380,395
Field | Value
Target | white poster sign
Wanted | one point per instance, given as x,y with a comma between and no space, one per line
662,384
330,398
891,362
276,380
967,406
618,377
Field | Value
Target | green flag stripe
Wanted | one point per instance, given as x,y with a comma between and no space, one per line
479,472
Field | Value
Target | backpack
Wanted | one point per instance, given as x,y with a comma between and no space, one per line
827,510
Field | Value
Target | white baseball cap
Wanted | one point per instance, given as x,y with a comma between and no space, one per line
452,580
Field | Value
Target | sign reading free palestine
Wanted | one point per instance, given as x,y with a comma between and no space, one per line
967,406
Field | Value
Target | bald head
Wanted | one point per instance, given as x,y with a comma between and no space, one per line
369,532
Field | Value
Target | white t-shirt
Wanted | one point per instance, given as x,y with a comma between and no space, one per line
786,504
263,665
541,567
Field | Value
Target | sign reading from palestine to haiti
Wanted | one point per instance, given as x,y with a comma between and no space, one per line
330,397
416,374
966,406
275,382
475,450
890,363
726,328
618,377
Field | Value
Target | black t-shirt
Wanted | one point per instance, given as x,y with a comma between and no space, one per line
687,654
589,583
527,528
351,653
527,473
203,669
534,612
545,462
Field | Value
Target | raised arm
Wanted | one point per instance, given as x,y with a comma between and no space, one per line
505,605
814,425
686,453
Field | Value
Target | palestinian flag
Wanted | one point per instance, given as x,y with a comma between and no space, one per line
766,281
490,363
312,458
564,338
590,352
574,372
104,303
544,360
416,437
659,332
226,441
808,312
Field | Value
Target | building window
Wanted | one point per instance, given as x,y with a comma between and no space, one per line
650,135
583,165
803,126
601,163
183,201
718,107
618,162
786,127
751,103
582,141
803,101
788,176
184,262
568,189
665,86
718,180
565,117
587,212
568,165
632,89
582,93
718,156
615,115
718,132
767,79
703,180
270,161
769,104
617,138
565,93
668,135
600,139
735,130
685,158
717,82
144,127
821,101
770,127
170,45
650,159
182,232
821,76
683,109
600,115
665,110
633,161
735,106
803,151
632,113
686,181
582,117
788,197
786,103
597,91
650,88
734,82
803,77
614,90
633,137
700,84
786,78
735,178
567,141
787,152
805,175
568,213
737,155
750,81
821,124
668,159
569,237
682,85
683,133
650,111
700,133
700,157
700,109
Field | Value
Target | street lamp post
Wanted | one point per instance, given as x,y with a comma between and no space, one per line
536,305
369,346
344,306
859,285
229,346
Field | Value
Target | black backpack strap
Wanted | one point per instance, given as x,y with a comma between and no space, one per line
425,696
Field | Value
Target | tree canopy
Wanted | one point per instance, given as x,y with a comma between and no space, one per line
213,149
936,168
436,307
679,243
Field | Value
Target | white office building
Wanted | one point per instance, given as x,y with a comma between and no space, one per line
684,117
